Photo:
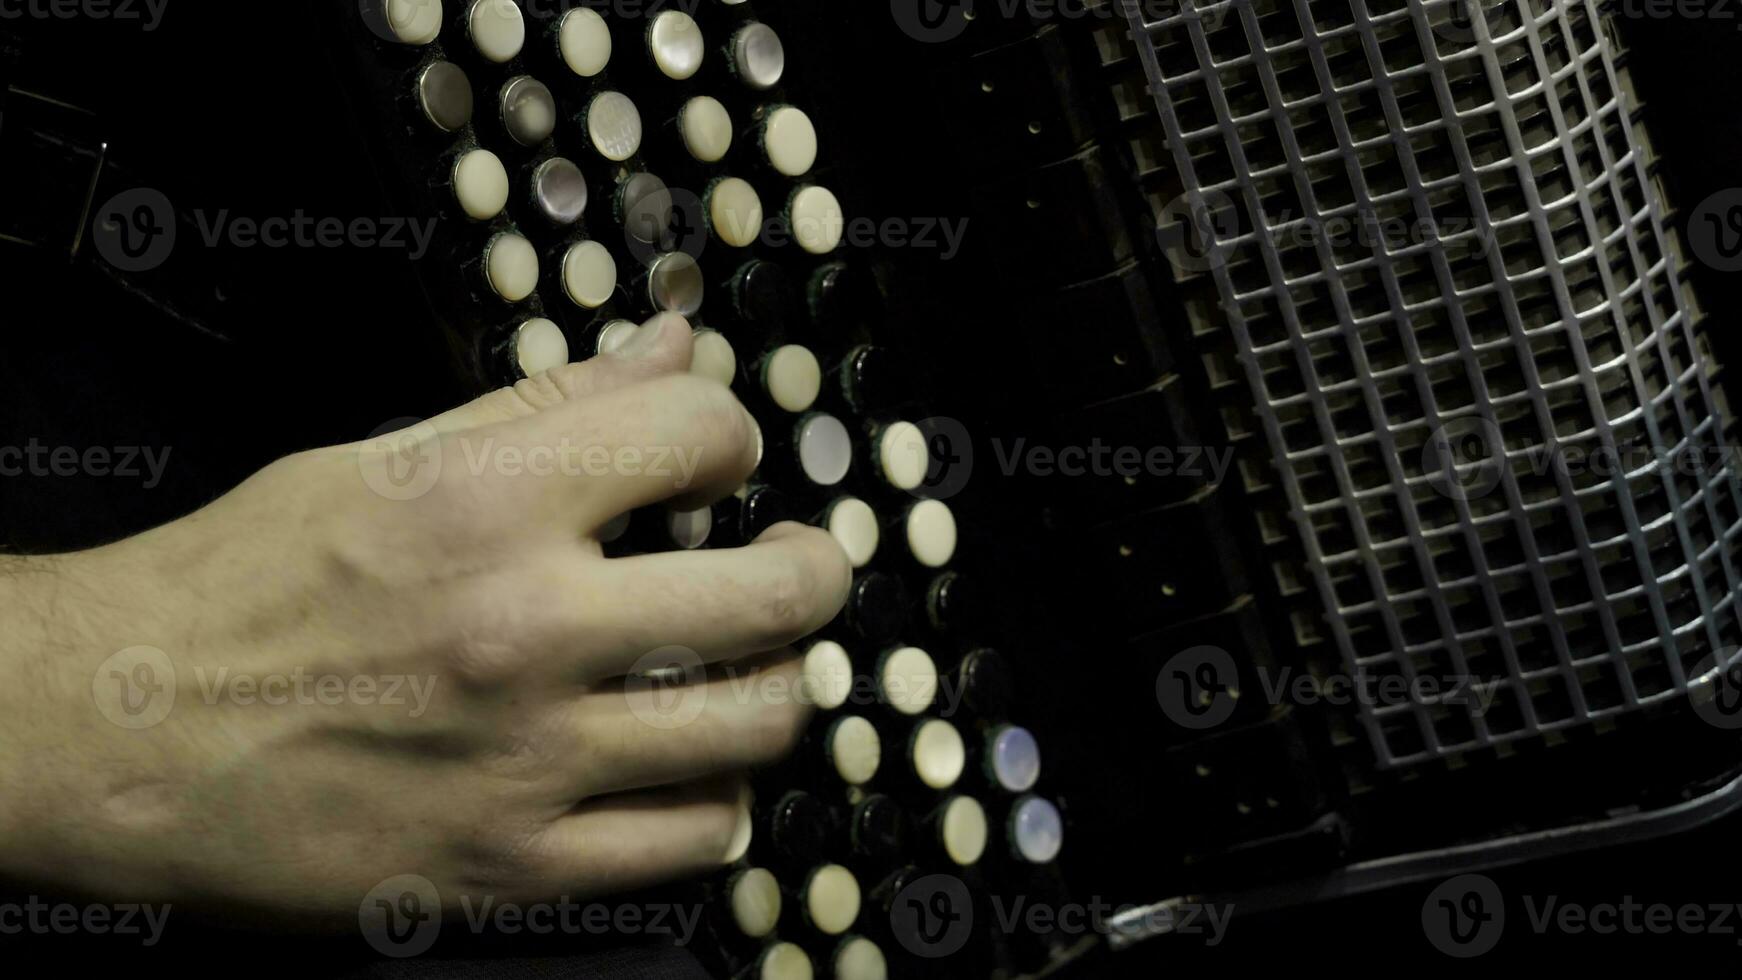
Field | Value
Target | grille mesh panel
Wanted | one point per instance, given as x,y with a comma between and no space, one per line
1431,399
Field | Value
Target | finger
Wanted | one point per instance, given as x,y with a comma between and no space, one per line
661,346
618,843
636,735
720,604
678,438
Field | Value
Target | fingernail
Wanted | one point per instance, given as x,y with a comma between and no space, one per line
646,338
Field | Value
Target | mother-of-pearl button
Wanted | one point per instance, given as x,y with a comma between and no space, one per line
511,265
931,533
1037,831
711,356
528,110
825,450
853,525
675,284
817,221
908,680
559,190
614,125
584,41
789,140
854,749
539,345
735,211
412,21
614,529
706,128
445,93
758,55
481,185
1014,758
938,754
828,674
614,335
675,41
498,30
784,961
755,902
589,274
831,899
860,959
903,456
689,529
792,377
964,830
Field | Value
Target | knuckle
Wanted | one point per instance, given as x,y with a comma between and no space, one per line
721,422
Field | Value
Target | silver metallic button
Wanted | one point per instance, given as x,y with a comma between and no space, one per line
675,284
644,205
758,55
445,94
528,110
559,190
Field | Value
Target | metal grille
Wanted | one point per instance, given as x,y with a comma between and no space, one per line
1495,432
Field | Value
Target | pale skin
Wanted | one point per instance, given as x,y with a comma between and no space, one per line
527,777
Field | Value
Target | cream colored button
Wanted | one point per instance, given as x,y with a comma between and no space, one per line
511,265
860,959
784,961
931,533
498,30
711,356
481,185
735,212
675,41
614,125
793,378
908,680
585,42
539,345
789,140
902,455
828,674
706,128
938,754
831,899
853,525
755,902
854,749
415,22
589,274
742,831
817,220
613,335
964,830
689,529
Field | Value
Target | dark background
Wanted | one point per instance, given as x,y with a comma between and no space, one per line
233,106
